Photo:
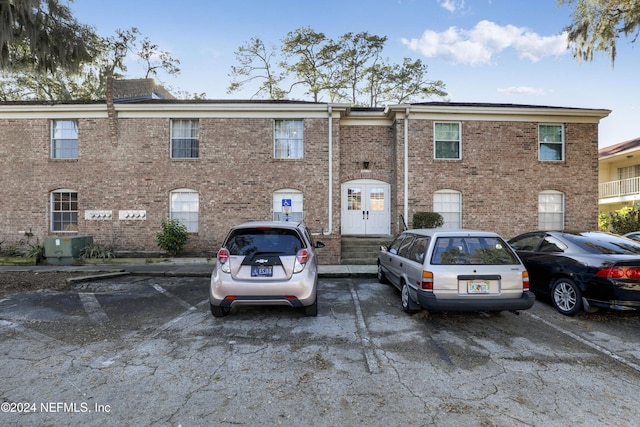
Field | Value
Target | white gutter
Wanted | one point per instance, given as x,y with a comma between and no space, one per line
406,166
330,226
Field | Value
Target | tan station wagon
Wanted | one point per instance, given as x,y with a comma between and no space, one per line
462,270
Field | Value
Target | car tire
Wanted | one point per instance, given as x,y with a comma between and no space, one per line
218,311
408,305
311,310
381,277
566,297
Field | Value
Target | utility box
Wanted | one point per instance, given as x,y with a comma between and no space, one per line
64,250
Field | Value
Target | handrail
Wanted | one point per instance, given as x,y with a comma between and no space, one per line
404,223
622,187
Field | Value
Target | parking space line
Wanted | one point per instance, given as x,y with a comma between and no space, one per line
93,308
369,354
168,294
588,343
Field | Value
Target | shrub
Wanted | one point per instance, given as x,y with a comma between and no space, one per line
173,236
427,220
96,251
625,220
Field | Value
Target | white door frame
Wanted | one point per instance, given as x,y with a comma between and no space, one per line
370,212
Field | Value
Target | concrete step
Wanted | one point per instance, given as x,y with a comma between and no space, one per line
357,250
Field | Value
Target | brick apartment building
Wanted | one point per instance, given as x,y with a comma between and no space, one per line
113,170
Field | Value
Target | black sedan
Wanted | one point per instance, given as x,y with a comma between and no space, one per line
582,270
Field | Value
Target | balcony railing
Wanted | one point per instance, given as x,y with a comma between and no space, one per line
623,187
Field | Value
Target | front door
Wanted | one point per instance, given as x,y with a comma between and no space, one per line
365,207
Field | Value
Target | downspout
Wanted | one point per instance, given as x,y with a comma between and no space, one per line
330,223
406,165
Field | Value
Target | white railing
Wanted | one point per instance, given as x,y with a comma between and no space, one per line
623,187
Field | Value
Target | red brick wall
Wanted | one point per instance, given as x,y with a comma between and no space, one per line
499,175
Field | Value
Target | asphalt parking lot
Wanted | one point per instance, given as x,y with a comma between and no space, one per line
139,350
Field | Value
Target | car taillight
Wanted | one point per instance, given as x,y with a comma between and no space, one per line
223,260
619,273
223,256
427,280
302,256
525,280
301,260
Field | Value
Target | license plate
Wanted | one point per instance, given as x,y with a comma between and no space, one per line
478,287
261,271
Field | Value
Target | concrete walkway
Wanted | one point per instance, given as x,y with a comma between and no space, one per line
177,267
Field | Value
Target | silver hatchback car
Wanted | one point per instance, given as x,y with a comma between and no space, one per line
266,263
461,270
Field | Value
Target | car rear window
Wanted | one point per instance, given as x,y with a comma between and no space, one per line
472,250
602,243
274,241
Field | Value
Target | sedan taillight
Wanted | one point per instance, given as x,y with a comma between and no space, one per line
632,273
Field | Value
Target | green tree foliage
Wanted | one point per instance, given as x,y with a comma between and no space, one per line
42,35
90,80
350,69
173,236
257,63
625,220
598,24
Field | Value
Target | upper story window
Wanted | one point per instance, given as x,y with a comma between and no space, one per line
550,210
185,143
185,206
447,141
64,139
628,172
551,142
64,210
288,139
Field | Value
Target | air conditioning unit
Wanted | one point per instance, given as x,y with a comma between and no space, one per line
64,250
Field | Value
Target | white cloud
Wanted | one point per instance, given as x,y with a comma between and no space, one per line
523,90
483,42
451,5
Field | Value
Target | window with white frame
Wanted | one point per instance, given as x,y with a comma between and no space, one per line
447,141
288,139
287,205
64,139
551,210
551,142
64,211
185,206
185,143
448,203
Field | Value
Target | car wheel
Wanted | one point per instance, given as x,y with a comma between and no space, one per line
381,277
218,311
311,310
566,297
408,305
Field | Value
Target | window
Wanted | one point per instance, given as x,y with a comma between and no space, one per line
447,141
551,142
551,210
64,139
287,205
288,139
448,203
185,207
184,139
64,210
628,172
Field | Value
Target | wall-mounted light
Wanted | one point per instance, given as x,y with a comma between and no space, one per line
365,165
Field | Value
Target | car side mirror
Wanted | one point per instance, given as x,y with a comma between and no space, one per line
319,245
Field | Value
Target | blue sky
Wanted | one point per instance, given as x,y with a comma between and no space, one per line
502,51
